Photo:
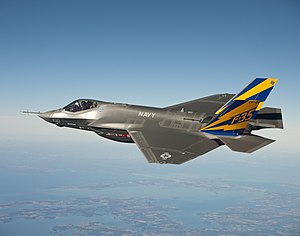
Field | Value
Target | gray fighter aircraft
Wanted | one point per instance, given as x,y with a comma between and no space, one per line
181,132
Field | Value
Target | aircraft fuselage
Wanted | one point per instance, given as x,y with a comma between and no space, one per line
180,132
112,120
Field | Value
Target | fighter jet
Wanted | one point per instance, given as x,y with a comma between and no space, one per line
181,132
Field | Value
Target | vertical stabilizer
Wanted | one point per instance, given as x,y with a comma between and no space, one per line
232,118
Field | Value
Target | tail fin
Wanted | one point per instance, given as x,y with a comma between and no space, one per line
232,118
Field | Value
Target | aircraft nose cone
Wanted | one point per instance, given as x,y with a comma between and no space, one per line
47,116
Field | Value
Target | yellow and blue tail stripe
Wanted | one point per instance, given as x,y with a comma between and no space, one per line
232,118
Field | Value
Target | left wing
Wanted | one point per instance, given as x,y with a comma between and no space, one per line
207,105
167,146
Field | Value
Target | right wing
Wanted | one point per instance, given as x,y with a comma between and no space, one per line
164,145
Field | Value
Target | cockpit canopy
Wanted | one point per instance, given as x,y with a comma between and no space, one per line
81,105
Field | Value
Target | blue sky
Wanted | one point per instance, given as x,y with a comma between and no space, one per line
154,53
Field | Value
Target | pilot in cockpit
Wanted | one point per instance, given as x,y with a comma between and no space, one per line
81,105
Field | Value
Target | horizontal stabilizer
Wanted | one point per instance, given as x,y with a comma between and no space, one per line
267,117
245,143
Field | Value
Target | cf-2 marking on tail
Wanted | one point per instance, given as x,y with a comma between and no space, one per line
178,133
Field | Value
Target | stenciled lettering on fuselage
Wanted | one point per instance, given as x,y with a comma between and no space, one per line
146,114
